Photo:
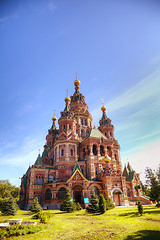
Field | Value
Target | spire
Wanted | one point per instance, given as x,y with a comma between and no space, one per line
67,111
76,83
104,119
54,121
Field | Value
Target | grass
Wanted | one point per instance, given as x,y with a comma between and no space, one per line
118,223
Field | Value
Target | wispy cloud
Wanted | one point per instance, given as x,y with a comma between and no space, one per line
26,153
49,7
6,18
144,156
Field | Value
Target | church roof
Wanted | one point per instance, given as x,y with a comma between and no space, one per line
39,161
96,133
128,172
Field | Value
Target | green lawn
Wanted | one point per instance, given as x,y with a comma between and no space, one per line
118,223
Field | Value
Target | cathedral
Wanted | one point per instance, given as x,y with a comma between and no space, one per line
82,158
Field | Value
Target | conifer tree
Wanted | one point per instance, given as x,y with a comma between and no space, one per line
9,207
109,203
140,207
35,207
94,203
67,204
102,204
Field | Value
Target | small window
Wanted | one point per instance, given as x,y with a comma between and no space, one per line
64,166
64,127
71,170
69,126
105,134
51,178
62,152
85,122
71,152
96,170
82,132
87,133
115,156
76,131
110,134
81,121
94,150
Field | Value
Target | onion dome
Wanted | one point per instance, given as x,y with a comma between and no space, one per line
54,119
103,108
77,82
67,100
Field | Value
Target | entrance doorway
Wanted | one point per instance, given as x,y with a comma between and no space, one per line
77,194
116,198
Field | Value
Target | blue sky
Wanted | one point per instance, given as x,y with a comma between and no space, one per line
114,45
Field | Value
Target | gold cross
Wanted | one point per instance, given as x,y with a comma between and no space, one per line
102,101
54,112
76,75
67,92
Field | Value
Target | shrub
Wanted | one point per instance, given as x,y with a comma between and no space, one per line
67,205
158,205
78,207
18,230
109,203
93,207
8,206
102,204
140,207
35,207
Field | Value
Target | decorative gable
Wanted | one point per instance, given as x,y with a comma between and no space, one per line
77,175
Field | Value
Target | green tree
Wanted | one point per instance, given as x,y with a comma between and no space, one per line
8,207
102,204
67,205
153,182
140,207
7,190
94,203
109,203
35,207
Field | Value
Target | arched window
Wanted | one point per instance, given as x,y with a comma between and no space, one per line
102,150
115,156
82,132
128,192
85,122
109,151
69,126
81,121
51,178
48,194
105,134
61,193
87,133
76,131
64,127
95,150
39,180
71,152
62,152
88,150
96,190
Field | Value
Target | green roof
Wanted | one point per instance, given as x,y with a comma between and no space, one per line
76,167
96,133
45,153
128,172
39,161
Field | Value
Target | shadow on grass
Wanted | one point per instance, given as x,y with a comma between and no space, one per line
135,214
144,235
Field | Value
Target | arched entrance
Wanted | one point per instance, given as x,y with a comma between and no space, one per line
77,194
117,196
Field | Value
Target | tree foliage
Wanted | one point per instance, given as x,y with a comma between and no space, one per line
140,207
8,206
109,203
93,206
35,207
68,205
7,190
102,204
153,182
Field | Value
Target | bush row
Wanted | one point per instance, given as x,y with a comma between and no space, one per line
18,230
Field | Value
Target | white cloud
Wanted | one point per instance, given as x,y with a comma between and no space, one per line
144,156
146,90
50,7
25,155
